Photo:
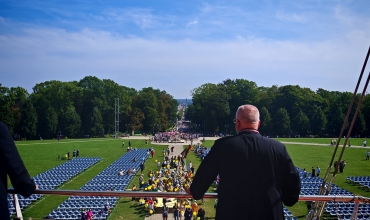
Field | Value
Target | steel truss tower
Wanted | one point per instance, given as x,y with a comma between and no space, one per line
116,117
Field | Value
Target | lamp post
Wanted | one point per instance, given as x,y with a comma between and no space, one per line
117,128
226,126
127,128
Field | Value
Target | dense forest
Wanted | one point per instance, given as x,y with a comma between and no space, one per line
84,108
284,111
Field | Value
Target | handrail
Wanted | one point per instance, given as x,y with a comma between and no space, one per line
183,195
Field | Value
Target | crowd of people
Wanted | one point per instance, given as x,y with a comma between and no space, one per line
172,175
315,172
340,165
201,151
67,156
174,136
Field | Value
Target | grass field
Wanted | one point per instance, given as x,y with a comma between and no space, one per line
353,141
40,156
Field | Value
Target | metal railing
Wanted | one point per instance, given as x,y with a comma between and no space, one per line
182,195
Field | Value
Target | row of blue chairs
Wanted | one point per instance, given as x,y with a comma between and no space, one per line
311,186
358,179
364,181
108,179
53,178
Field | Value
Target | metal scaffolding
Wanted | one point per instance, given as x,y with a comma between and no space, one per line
116,117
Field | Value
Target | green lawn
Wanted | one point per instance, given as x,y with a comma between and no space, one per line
354,141
40,156
305,156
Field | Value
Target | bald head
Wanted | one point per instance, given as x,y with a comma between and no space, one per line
247,116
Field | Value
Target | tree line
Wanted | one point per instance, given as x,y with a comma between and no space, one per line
284,110
85,107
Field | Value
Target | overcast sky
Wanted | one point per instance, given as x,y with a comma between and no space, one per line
179,45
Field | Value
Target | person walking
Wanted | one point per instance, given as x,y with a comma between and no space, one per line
188,214
367,155
176,212
142,167
341,166
313,172
165,212
201,214
246,192
152,152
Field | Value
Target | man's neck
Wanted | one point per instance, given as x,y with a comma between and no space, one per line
249,130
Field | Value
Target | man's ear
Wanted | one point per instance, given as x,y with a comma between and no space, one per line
259,123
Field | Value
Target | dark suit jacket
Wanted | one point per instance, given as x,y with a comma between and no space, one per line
256,176
11,164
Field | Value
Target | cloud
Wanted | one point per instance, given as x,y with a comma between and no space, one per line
44,54
143,18
139,47
191,23
291,17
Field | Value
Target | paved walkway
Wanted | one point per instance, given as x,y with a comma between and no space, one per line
178,148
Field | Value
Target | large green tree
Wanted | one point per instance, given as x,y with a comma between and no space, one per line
28,123
266,124
71,122
282,122
301,124
211,103
366,113
83,107
96,121
50,124
318,121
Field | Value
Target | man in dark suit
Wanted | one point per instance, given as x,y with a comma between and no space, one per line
11,164
256,173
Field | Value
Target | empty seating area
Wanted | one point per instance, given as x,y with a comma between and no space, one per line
64,172
288,215
53,178
311,185
108,179
344,210
72,208
363,181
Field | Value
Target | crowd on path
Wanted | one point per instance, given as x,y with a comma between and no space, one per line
174,136
173,174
